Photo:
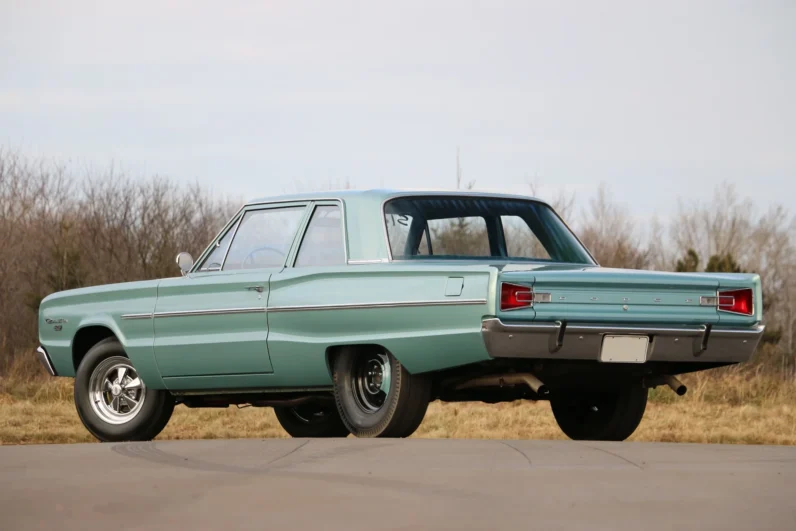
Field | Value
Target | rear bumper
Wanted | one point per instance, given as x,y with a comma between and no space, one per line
583,341
44,359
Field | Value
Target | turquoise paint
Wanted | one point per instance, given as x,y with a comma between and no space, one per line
278,349
102,306
298,340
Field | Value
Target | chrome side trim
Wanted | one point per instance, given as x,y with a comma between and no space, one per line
44,359
137,316
220,311
366,306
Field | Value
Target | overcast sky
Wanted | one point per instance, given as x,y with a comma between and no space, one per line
659,100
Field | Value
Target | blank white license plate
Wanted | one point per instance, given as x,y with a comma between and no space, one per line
624,349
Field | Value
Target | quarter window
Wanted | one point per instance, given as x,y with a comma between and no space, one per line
323,241
263,238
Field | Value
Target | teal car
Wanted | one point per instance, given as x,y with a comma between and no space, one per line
349,312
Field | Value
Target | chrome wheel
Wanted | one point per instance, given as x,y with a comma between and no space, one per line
116,392
372,378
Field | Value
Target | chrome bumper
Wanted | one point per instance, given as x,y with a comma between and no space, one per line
583,341
44,359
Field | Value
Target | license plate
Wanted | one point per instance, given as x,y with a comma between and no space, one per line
624,349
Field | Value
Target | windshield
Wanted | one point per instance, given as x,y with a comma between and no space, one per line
479,227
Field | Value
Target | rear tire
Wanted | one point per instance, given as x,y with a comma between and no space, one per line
600,416
311,420
376,396
112,401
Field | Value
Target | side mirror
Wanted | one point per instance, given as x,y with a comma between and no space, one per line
185,261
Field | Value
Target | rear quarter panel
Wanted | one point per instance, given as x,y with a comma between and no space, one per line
423,338
102,306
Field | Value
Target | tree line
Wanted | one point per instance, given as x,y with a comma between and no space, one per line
63,229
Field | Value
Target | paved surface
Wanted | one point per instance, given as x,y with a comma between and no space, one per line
397,484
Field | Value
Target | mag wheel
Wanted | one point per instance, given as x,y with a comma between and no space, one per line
376,396
311,420
113,402
600,416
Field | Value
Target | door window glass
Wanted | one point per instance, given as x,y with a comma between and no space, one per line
216,258
263,238
323,241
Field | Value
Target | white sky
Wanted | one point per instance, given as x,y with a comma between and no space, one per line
659,100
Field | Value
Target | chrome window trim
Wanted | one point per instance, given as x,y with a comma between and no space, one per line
373,305
365,262
248,206
483,196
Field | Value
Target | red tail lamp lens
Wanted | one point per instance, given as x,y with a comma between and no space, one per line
737,301
513,296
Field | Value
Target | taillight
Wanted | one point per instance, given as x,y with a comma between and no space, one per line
514,296
737,301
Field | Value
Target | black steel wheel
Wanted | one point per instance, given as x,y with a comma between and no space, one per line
112,401
600,416
376,396
311,420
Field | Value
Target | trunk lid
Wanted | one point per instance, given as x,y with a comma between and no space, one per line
596,294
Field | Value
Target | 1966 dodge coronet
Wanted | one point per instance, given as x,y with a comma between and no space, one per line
349,312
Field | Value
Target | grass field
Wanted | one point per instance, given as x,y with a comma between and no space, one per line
725,407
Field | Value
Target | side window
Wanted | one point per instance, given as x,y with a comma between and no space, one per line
263,238
214,261
521,242
323,241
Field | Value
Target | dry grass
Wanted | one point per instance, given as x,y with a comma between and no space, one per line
727,407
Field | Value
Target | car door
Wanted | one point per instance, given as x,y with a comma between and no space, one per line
213,321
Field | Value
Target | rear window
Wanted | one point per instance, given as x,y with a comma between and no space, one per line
479,227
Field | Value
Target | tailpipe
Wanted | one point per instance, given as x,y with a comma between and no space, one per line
675,385
501,380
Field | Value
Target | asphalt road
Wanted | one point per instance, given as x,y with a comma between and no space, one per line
397,484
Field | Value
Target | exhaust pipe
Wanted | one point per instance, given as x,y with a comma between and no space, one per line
676,385
502,380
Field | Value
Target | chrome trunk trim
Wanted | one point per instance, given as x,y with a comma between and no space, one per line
44,359
705,343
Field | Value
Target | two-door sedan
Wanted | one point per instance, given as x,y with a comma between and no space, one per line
348,312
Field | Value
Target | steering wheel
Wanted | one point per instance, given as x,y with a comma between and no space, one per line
250,257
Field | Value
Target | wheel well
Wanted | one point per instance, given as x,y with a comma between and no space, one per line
85,339
332,351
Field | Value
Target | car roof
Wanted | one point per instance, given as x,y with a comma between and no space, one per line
382,194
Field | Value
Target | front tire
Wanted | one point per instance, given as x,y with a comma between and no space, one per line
600,416
113,402
311,420
376,396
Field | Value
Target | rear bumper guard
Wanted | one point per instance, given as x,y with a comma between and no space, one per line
575,341
44,359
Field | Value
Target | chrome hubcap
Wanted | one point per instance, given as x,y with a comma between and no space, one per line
372,379
116,391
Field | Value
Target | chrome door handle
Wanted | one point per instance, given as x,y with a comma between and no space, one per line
258,289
